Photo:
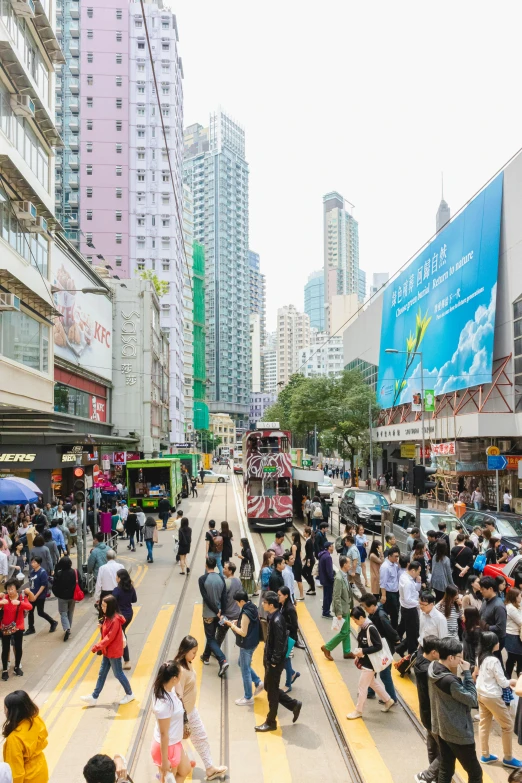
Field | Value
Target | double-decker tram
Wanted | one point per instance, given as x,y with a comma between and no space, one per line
267,476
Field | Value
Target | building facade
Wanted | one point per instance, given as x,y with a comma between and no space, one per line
201,417
259,403
269,362
379,280
323,357
293,334
222,426
341,250
255,352
188,316
217,172
361,290
314,299
257,291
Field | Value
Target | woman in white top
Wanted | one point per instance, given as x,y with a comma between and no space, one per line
167,750
513,642
490,682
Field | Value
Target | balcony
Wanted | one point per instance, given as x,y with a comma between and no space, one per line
58,162
74,12
74,67
74,31
58,183
73,182
74,162
73,200
73,219
74,106
74,145
74,126
74,87
74,51
46,33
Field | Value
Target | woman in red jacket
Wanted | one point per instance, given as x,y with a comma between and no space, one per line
111,647
12,624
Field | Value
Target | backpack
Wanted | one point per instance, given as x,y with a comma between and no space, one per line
480,562
339,544
318,511
218,544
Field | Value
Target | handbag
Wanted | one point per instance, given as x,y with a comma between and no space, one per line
406,662
78,594
382,659
119,526
155,536
246,571
479,563
11,628
291,645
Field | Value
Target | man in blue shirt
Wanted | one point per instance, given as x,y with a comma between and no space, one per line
389,584
39,583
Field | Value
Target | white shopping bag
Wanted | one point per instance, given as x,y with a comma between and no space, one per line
337,624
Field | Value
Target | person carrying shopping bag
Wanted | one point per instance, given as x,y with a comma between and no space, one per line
373,655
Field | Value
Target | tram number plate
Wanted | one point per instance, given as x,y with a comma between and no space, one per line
270,469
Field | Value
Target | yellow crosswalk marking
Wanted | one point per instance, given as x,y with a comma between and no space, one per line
272,751
62,690
359,739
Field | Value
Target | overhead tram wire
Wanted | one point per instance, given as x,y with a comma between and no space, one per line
414,255
178,211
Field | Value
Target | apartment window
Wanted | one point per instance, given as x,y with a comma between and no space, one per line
89,103
141,88
165,222
118,216
89,214
88,238
119,239
140,111
165,111
166,309
141,132
90,79
119,125
165,64
119,171
119,148
138,22
119,13
141,242
118,260
119,81
89,124
140,198
90,34
90,12
165,89
141,154
165,24
141,176
90,57
140,263
165,242
119,36
141,221
119,103
141,43
89,168
119,59
141,68
165,198
88,192
165,264
165,46
165,176
89,146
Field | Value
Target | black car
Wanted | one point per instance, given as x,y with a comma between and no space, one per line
363,507
508,525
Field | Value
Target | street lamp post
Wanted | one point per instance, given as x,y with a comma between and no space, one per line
419,354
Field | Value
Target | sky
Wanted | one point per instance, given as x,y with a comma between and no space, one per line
373,100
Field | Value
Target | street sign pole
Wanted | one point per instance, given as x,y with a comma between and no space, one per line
498,496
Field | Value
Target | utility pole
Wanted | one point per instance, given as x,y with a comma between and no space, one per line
422,410
371,449
315,440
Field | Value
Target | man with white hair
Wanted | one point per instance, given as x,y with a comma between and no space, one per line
106,579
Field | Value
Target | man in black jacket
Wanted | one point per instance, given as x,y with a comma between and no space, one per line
164,511
276,577
493,611
430,652
276,647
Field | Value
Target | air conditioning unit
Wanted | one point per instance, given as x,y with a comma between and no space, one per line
24,8
25,209
504,445
9,301
23,105
38,226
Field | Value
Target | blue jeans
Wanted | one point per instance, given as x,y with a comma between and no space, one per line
387,681
131,541
164,518
150,544
212,646
248,674
218,556
115,665
289,672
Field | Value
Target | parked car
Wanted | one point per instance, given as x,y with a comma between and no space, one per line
403,519
326,490
508,526
363,507
211,477
510,571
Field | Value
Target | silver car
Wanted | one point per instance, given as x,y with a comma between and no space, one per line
212,478
403,519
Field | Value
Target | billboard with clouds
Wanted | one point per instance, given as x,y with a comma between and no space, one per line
443,306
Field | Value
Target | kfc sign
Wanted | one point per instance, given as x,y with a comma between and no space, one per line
97,408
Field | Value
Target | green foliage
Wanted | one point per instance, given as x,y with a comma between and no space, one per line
161,286
207,441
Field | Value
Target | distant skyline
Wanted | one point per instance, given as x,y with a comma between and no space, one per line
411,108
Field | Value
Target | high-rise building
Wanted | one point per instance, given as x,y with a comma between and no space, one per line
188,315
131,213
293,334
443,212
216,171
379,280
361,291
324,356
255,352
341,250
269,363
257,291
259,402
314,299
201,417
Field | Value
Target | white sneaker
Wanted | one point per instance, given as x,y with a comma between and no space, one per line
354,715
89,700
127,665
389,704
244,702
259,689
126,699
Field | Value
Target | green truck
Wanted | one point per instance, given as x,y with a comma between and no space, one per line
190,461
150,480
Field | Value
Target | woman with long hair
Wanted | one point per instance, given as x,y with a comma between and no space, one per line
150,534
361,542
246,569
167,748
264,583
185,541
227,537
513,644
125,595
25,739
186,688
376,560
440,570
309,561
496,555
450,607
111,647
491,682
64,584
472,596
13,608
297,567
289,613
471,634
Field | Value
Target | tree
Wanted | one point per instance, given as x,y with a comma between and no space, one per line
208,442
161,286
281,410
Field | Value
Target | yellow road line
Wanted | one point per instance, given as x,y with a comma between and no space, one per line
142,576
58,690
198,632
122,727
272,751
359,739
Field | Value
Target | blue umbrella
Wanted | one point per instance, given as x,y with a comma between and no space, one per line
12,493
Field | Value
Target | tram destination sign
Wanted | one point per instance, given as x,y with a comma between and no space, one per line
269,468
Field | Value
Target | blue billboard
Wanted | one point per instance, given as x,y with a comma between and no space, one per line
443,307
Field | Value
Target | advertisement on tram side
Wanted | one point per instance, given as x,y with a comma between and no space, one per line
439,312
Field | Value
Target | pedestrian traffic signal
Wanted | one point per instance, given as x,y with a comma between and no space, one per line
79,485
420,483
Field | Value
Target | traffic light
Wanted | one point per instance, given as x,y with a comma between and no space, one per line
79,485
411,468
420,483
